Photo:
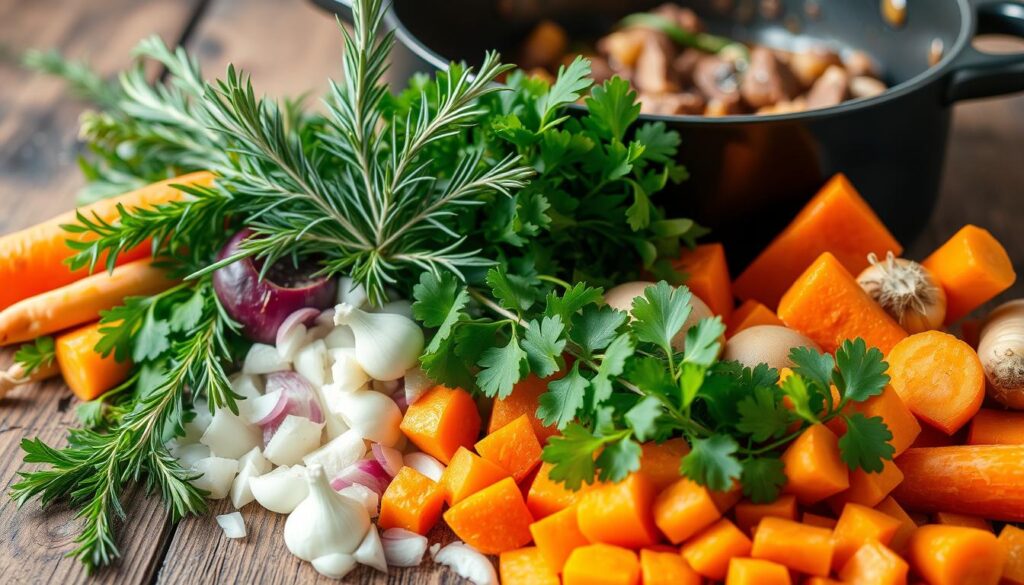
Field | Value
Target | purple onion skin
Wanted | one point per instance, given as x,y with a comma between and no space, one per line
260,306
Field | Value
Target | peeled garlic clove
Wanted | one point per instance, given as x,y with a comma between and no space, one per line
325,523
386,344
232,524
281,490
334,566
371,552
373,415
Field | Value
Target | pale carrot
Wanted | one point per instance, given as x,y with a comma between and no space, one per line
80,302
939,377
32,260
984,480
86,372
441,421
15,376
972,267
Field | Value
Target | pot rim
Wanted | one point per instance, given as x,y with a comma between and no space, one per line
940,69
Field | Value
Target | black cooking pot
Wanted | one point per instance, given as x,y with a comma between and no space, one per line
749,174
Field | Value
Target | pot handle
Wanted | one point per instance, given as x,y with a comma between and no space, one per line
976,74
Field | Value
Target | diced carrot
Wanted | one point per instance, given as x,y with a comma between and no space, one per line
748,514
602,564
996,427
972,267
709,552
619,513
743,571
803,548
525,566
750,314
547,496
984,480
819,520
660,461
32,260
868,489
894,412
684,509
557,536
826,304
813,466
965,520
666,568
939,377
514,447
81,301
933,437
856,527
493,520
707,276
890,507
412,501
523,400
1012,540
836,220
86,372
468,473
441,421
874,564
954,555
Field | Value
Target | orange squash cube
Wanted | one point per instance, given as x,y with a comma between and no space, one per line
619,513
684,509
857,526
602,564
748,514
813,466
441,421
557,536
513,447
412,501
525,566
468,473
493,520
523,400
709,552
803,548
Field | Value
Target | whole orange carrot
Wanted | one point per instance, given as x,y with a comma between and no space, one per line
79,302
85,371
32,260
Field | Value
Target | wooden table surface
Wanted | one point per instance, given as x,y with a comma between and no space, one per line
288,47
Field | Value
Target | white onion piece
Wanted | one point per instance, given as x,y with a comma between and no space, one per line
311,363
346,373
216,476
341,337
334,565
255,456
351,292
371,552
467,562
338,453
326,317
230,436
241,493
373,415
296,437
295,321
264,359
282,489
232,524
365,472
403,548
416,384
364,495
268,407
425,464
249,387
389,458
188,454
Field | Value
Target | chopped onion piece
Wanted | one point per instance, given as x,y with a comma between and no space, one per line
341,337
188,455
299,400
366,472
232,524
389,458
297,321
264,359
326,317
346,373
230,436
249,387
338,453
282,489
311,363
296,437
371,552
365,496
425,464
373,415
467,562
241,493
403,548
267,407
216,476
416,384
255,456
334,565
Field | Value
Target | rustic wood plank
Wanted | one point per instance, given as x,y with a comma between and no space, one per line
38,178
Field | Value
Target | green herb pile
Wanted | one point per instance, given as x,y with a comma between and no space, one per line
491,205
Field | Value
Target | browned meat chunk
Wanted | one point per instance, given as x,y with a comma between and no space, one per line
808,65
653,66
830,89
767,81
623,47
716,78
670,104
859,63
862,87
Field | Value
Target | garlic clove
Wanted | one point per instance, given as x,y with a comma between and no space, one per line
340,337
386,344
351,292
403,548
373,415
311,363
228,435
346,373
296,437
188,455
371,551
281,490
232,524
334,566
467,562
324,523
264,359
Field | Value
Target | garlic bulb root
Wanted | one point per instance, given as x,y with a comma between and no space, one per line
1001,349
906,290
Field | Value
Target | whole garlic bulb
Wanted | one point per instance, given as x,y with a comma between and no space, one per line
325,523
906,290
386,344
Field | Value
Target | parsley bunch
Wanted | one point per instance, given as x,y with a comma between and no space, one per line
616,380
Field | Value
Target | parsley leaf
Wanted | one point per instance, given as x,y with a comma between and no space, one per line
650,374
806,398
866,443
619,459
642,418
152,340
572,456
762,415
691,380
440,300
660,144
660,313
514,292
813,365
763,479
186,315
712,462
570,82
612,364
543,344
594,327
612,108
501,368
861,372
572,300
702,342
36,354
564,398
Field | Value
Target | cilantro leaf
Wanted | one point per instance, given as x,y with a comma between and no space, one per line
572,456
543,344
861,372
594,327
440,300
36,354
619,459
762,415
612,108
444,364
806,398
866,443
612,364
660,313
712,462
514,292
501,368
813,365
564,398
572,300
642,418
702,341
763,479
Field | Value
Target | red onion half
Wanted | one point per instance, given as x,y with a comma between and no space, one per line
261,306
297,398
